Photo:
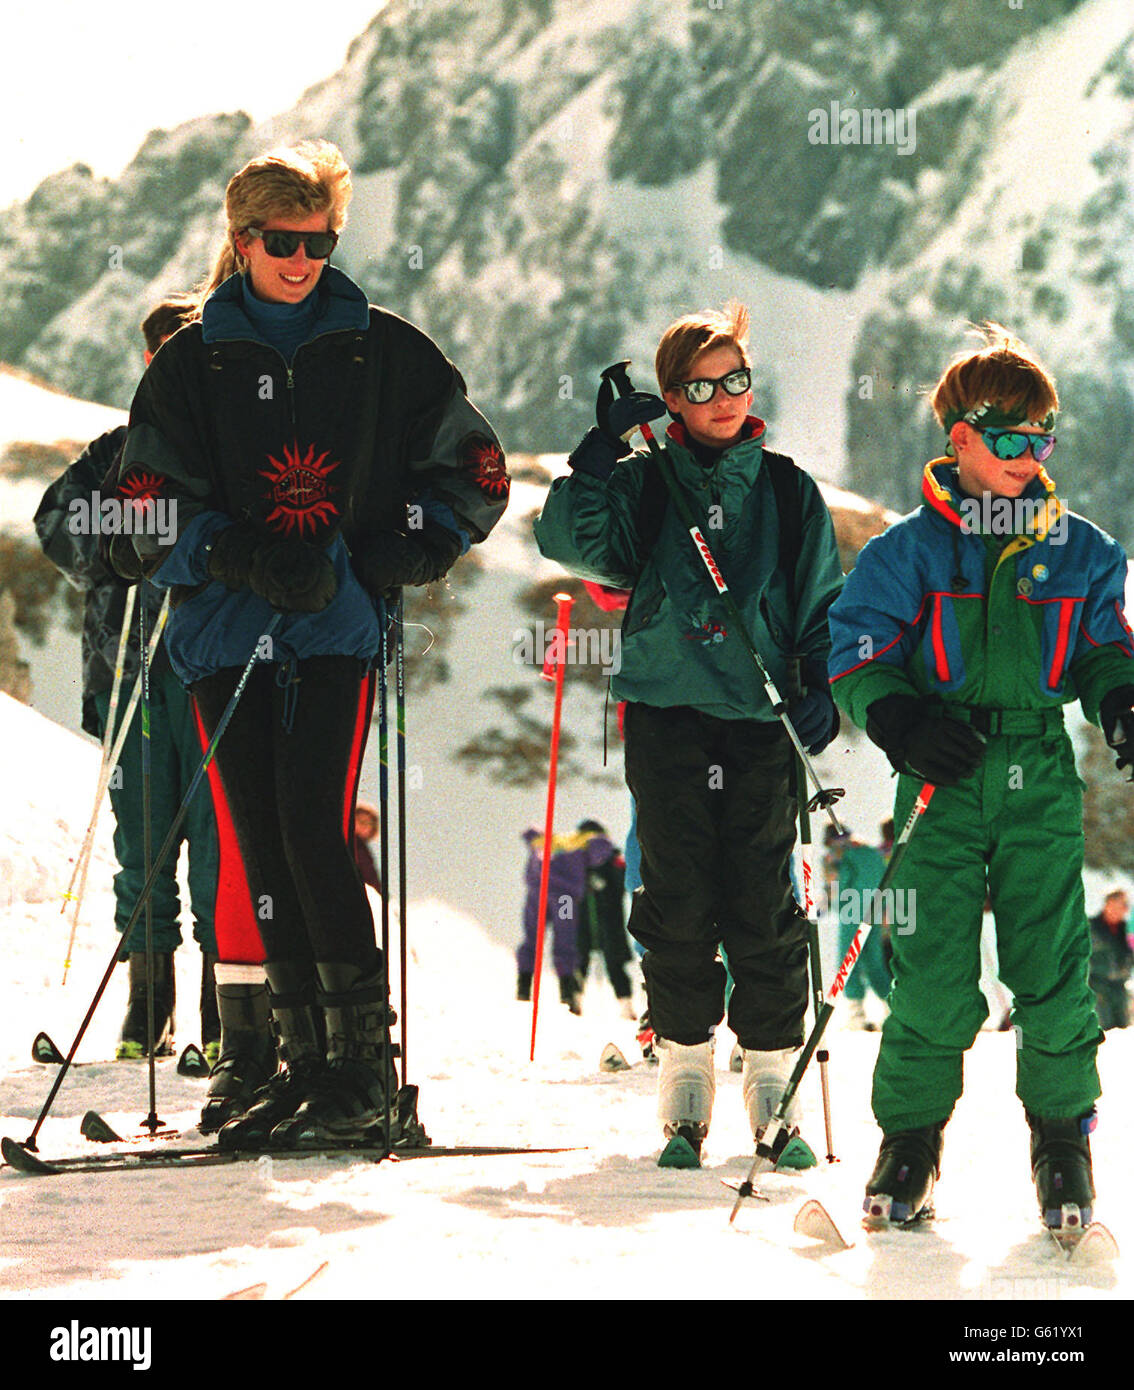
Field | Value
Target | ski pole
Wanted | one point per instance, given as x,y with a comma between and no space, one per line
824,798
384,853
403,900
82,863
151,878
554,669
151,1122
807,861
777,1133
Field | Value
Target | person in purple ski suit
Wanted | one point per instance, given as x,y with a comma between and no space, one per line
572,856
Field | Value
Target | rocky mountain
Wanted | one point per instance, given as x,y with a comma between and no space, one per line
543,184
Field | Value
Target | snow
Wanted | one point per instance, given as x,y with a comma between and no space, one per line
598,1222
33,412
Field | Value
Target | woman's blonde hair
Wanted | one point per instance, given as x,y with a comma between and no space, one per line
291,181
688,336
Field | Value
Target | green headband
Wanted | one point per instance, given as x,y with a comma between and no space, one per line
990,417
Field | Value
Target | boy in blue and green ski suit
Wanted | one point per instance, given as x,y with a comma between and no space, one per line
960,635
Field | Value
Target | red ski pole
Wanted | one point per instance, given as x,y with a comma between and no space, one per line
554,669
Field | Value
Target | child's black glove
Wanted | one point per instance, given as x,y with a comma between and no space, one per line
1116,715
812,711
922,740
602,447
393,559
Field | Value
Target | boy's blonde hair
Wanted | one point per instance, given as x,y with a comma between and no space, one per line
1004,376
683,340
291,181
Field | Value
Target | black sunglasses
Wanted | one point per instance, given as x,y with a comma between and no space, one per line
704,388
281,245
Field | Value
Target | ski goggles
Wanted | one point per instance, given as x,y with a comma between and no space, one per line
281,245
1014,444
704,388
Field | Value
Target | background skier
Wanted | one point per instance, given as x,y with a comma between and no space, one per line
175,751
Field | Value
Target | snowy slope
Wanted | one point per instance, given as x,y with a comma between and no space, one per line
596,1223
32,413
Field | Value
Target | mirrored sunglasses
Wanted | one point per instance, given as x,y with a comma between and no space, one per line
281,245
1014,444
704,388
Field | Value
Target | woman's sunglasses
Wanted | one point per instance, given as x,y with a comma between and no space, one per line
281,245
704,388
1014,444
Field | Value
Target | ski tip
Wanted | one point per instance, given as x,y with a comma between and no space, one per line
679,1153
20,1157
193,1062
613,1059
797,1155
814,1220
95,1128
45,1051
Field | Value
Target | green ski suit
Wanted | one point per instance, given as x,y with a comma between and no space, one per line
1003,630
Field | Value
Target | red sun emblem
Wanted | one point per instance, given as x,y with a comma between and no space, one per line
484,459
300,490
138,488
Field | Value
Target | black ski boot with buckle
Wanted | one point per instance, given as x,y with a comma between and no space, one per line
1062,1172
298,1026
901,1187
247,1060
351,1098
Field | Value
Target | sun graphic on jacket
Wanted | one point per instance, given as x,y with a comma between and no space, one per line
300,489
485,461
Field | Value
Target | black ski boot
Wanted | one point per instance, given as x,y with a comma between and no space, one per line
1061,1170
298,1026
348,1104
901,1186
524,986
210,1014
247,1059
571,992
134,1029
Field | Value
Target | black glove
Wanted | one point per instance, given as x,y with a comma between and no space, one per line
1116,715
392,559
602,447
123,559
231,552
293,575
811,709
924,741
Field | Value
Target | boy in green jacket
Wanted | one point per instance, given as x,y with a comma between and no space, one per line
961,633
708,762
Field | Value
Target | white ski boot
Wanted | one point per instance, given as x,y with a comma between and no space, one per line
687,1083
764,1080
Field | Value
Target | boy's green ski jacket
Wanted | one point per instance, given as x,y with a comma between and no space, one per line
676,647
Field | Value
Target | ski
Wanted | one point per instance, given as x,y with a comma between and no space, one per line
255,1291
193,1062
814,1220
23,1160
613,1059
44,1051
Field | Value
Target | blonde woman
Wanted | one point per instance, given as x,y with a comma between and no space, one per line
322,453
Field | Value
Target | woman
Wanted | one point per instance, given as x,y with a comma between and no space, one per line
322,454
